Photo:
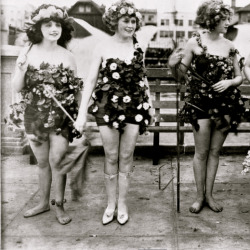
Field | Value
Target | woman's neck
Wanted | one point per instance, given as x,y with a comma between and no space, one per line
213,35
121,39
48,46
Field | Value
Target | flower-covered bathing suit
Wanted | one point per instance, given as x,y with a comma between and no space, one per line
201,101
41,113
120,95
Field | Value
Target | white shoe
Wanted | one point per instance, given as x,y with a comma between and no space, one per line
122,218
108,216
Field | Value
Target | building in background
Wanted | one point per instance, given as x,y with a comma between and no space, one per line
13,18
244,14
177,26
149,16
90,12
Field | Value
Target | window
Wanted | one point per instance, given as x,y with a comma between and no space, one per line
81,9
150,18
248,18
178,22
166,33
88,8
190,33
164,22
190,22
143,17
180,34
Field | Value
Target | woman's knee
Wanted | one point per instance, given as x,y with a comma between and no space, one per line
215,152
43,163
111,157
201,154
55,162
126,155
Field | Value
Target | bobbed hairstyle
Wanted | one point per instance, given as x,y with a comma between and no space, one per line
119,9
211,12
44,14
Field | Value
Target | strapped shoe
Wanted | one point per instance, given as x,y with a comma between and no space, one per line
122,218
108,216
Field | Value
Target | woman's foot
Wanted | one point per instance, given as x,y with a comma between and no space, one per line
197,206
36,210
122,214
213,205
62,217
108,215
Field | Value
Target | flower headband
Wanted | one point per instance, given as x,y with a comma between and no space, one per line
123,10
216,11
49,12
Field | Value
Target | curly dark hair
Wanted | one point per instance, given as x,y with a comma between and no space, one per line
211,12
117,10
34,31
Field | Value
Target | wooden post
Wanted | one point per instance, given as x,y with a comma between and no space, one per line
156,134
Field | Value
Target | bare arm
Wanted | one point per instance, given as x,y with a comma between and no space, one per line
236,81
247,68
88,89
20,70
182,56
72,63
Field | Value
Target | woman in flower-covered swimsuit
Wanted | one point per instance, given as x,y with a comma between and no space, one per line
44,69
121,102
246,162
213,104
201,100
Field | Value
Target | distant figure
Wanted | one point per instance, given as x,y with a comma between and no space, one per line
43,69
213,104
247,68
246,162
121,102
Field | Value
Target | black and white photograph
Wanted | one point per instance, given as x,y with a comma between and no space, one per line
125,124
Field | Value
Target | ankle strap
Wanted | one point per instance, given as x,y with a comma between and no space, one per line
110,176
58,203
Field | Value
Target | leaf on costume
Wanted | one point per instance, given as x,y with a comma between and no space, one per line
106,87
41,102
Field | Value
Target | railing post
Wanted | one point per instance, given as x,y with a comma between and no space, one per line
156,142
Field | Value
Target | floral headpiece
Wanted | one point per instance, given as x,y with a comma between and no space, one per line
47,13
211,12
124,10
119,9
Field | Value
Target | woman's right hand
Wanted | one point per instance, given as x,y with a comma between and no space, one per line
175,57
22,60
80,123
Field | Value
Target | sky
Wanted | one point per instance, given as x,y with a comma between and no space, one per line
181,5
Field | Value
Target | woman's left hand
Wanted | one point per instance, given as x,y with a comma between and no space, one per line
221,86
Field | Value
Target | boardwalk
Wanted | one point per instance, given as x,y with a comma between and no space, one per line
154,222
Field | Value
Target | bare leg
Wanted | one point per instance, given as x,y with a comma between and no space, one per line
202,144
110,139
217,140
58,148
127,147
45,177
